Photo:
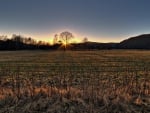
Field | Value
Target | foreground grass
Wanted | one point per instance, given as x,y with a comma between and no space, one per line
114,81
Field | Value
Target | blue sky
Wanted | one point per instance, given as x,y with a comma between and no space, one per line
98,20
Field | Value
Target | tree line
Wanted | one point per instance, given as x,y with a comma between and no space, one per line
18,42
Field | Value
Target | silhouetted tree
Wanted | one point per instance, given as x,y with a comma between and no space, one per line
17,38
85,40
3,37
65,37
55,40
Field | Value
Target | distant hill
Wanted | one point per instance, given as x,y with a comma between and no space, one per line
93,46
138,42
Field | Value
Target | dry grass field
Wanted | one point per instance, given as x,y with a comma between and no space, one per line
106,81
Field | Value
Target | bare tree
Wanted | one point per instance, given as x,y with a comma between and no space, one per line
17,38
3,37
85,40
65,37
55,40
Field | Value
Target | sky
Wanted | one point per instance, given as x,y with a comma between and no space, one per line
98,20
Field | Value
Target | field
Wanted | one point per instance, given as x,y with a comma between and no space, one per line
106,81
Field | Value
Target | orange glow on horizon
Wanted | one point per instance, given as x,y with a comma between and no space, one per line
78,39
48,38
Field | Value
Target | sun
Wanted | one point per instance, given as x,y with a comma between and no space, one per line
65,44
